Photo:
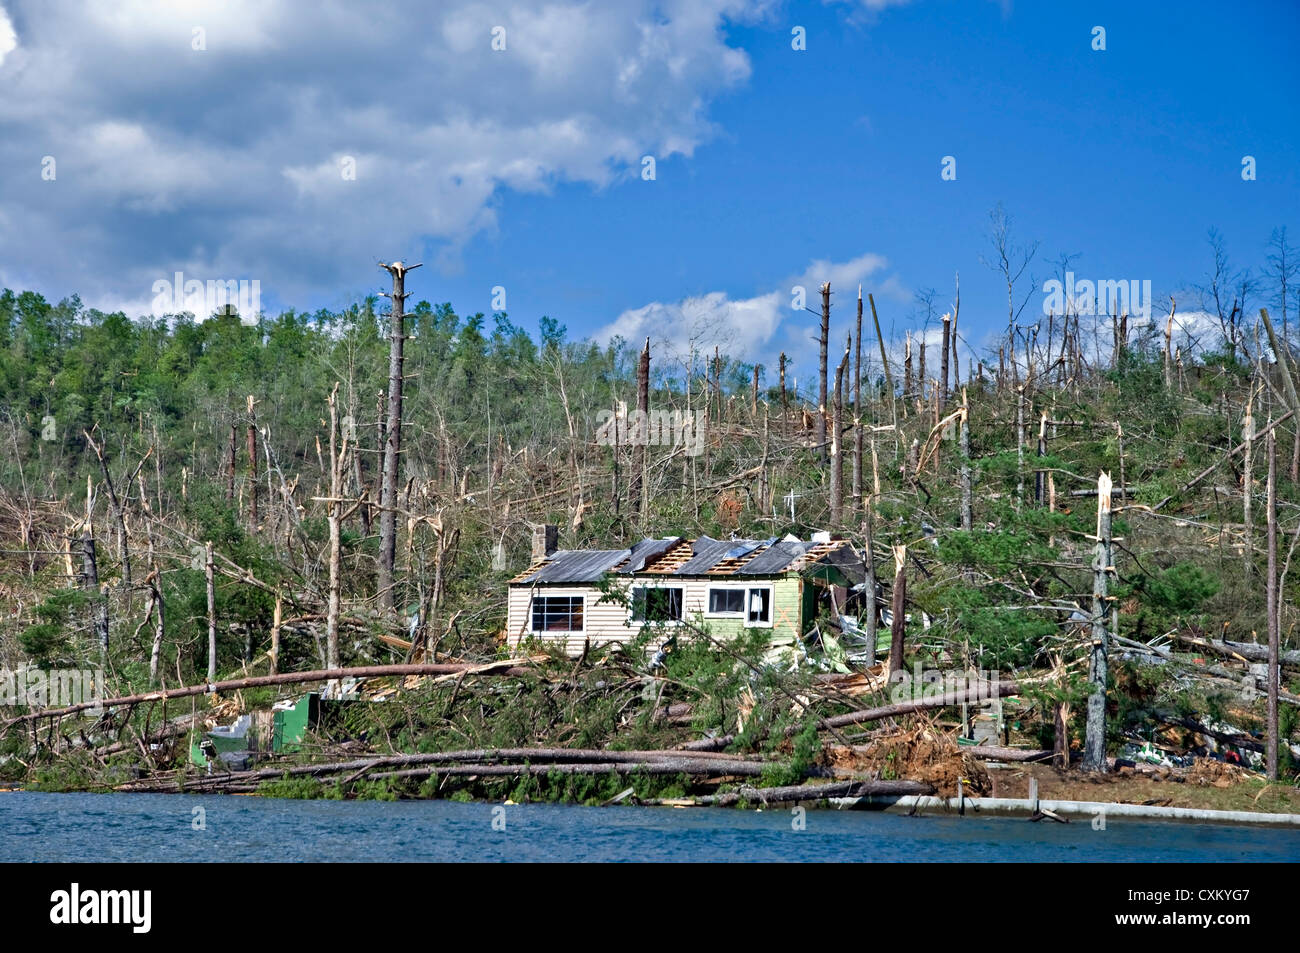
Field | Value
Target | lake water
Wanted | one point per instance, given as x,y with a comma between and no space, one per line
161,827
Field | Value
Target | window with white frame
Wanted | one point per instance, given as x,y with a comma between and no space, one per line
657,604
752,603
557,613
727,601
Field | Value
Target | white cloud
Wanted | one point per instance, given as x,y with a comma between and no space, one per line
8,37
758,329
224,159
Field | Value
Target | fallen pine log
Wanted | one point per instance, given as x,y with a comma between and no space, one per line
707,767
360,766
1240,650
995,753
806,792
506,667
985,691
251,781
1260,683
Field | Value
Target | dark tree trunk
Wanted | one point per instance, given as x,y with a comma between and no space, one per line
392,438
822,345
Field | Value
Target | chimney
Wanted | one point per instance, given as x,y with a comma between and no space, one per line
546,538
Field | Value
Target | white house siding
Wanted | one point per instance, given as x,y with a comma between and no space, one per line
608,622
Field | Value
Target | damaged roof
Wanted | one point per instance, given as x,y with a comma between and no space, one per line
704,556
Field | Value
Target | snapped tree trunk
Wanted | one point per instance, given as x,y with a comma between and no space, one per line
837,446
334,516
943,364
857,409
210,573
884,358
823,342
636,493
392,438
1274,628
1094,748
252,465
869,560
899,606
967,509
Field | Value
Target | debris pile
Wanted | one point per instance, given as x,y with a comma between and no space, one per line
924,754
1220,774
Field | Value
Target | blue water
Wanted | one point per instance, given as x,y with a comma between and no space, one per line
160,827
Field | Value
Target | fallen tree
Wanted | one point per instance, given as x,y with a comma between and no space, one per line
806,792
473,761
985,691
506,667
1240,650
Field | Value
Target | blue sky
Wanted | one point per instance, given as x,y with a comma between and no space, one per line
521,168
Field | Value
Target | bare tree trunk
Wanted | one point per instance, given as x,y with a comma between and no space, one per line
230,465
1169,339
334,517
123,544
1040,475
921,381
90,582
908,384
857,409
899,607
943,364
155,594
869,560
392,438
884,358
956,311
1283,357
823,343
837,444
636,483
967,510
1247,472
1020,444
1094,751
210,573
252,465
1274,628
1061,744
275,632
785,400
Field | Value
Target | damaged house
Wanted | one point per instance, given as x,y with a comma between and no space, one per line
727,585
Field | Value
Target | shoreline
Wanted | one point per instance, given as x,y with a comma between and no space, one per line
912,805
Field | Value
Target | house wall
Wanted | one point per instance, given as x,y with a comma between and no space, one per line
610,622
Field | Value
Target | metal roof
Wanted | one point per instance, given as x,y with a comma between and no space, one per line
577,565
646,551
747,557
775,558
708,553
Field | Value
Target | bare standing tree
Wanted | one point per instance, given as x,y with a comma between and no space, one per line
823,342
1225,295
392,437
1283,267
1010,260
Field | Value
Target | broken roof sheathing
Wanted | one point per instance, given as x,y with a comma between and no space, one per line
697,557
